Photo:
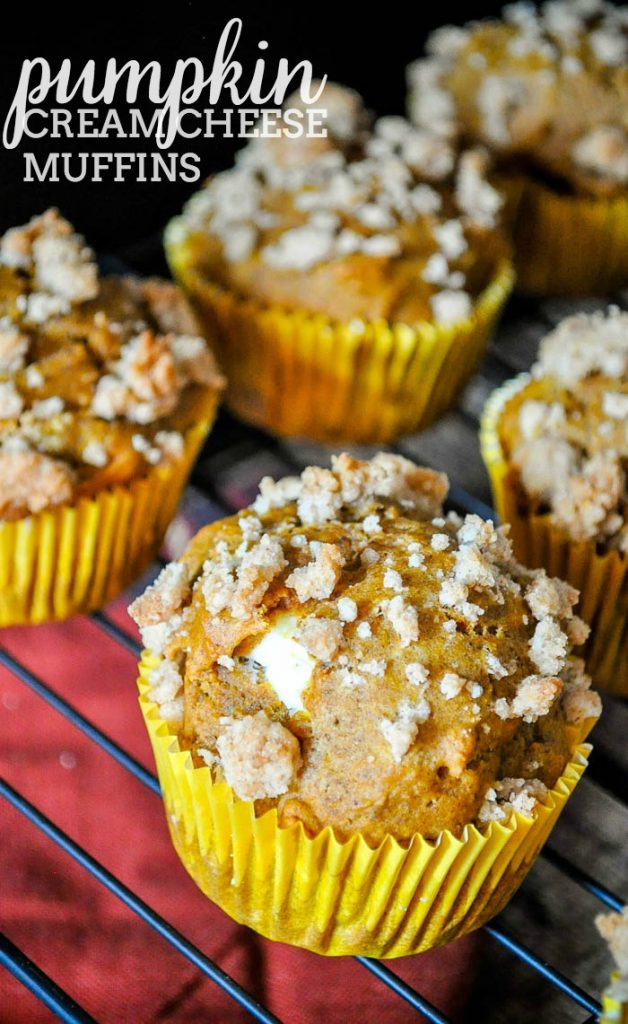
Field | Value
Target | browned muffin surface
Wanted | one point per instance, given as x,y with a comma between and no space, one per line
566,431
389,222
545,88
99,377
344,652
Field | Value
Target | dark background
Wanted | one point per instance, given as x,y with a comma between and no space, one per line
343,41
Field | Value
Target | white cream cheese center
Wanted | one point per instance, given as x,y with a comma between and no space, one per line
287,664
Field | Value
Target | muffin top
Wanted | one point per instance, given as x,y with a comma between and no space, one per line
566,431
614,930
98,376
386,221
547,84
344,652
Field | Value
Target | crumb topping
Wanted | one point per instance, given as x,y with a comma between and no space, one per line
321,637
320,494
533,699
83,358
401,732
510,795
32,482
317,579
585,344
547,82
62,267
448,677
258,756
166,685
404,620
571,452
614,930
451,685
380,192
603,151
147,380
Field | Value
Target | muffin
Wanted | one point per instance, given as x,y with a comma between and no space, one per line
351,280
614,930
365,714
556,446
546,91
106,393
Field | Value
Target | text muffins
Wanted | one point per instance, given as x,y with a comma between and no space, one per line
556,446
365,715
106,393
546,90
351,280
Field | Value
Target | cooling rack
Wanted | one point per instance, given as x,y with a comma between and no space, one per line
518,981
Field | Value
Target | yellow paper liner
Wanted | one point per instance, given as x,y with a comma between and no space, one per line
613,1011
302,375
340,898
75,558
539,543
566,245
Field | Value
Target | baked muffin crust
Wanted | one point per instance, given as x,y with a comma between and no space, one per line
614,930
388,222
546,87
345,652
566,431
98,376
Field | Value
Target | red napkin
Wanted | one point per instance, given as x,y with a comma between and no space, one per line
115,966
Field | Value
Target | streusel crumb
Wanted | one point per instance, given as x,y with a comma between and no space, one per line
566,431
359,690
99,377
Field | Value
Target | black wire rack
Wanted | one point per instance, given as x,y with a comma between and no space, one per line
230,445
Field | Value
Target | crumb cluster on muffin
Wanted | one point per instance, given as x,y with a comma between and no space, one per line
99,376
379,220
614,930
545,88
566,431
343,627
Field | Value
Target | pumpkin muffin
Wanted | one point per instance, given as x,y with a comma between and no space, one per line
106,391
556,443
348,662
546,91
352,263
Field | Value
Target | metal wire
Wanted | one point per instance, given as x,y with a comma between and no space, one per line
147,778
113,630
67,1010
43,987
557,979
137,905
76,718
583,879
399,986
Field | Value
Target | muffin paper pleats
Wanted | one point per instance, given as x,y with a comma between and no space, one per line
302,375
538,542
613,1011
565,244
76,558
340,898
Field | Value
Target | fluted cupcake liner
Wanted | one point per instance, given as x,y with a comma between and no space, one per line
75,558
566,244
340,898
303,375
613,1011
539,543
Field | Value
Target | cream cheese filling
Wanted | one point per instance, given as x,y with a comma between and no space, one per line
286,663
